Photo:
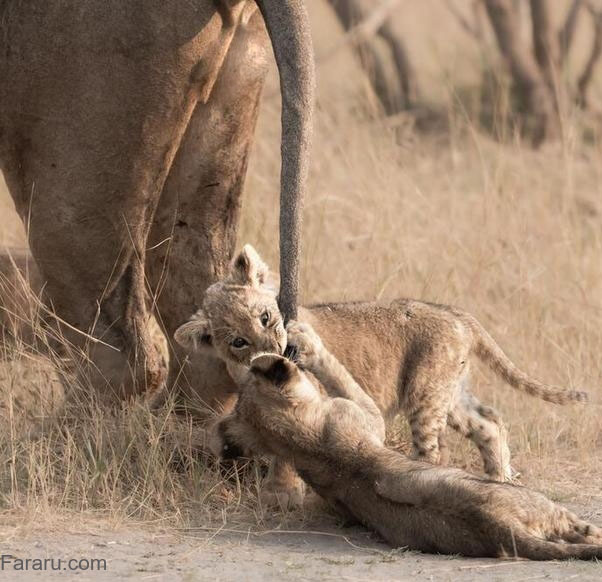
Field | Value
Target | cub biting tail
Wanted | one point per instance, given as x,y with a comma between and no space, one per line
407,355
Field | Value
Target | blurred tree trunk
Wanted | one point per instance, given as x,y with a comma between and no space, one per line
596,51
546,46
403,66
396,86
545,41
531,86
541,88
567,32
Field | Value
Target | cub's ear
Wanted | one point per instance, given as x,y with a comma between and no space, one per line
248,268
195,334
274,368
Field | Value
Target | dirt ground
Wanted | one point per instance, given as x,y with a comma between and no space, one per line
315,550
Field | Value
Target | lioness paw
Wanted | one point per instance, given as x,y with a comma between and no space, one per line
307,343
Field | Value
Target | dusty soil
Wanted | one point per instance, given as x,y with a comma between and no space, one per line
314,551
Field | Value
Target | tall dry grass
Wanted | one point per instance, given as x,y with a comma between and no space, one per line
453,216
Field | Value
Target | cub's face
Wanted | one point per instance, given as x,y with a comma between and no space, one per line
240,317
244,322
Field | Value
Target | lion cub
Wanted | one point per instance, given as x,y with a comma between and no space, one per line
407,355
336,444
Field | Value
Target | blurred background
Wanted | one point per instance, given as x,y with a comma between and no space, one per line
457,159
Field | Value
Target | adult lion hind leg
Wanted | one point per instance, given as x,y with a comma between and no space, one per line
484,427
89,251
193,235
85,147
23,316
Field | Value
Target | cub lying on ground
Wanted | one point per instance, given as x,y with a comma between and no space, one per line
336,445
407,355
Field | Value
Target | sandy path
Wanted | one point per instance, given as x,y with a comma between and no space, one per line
226,555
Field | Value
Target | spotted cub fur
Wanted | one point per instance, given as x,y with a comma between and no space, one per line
407,355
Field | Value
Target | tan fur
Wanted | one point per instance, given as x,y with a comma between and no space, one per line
22,319
240,318
336,444
407,355
125,131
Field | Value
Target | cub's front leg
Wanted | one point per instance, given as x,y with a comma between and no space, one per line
283,487
312,355
307,349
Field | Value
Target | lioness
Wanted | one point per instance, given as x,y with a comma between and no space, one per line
407,355
336,445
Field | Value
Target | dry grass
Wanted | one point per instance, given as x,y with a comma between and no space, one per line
510,234
64,452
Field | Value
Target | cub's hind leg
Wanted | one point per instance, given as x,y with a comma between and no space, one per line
443,448
430,385
426,425
427,410
484,427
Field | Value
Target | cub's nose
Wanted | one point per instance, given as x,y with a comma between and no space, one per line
281,346
273,346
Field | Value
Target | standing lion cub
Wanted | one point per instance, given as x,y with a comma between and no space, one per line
407,355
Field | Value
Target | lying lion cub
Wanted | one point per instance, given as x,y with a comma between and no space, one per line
336,445
406,355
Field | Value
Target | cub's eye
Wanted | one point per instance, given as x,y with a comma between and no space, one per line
265,318
239,342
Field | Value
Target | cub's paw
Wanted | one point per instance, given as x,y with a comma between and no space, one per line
305,343
285,498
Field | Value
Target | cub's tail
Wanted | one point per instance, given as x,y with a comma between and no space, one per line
488,351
